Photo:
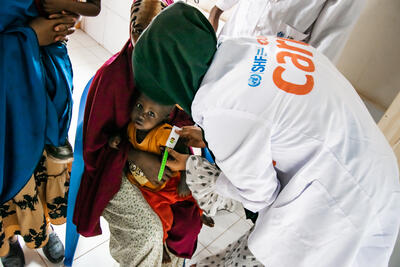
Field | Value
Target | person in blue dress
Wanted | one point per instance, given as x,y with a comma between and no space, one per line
35,111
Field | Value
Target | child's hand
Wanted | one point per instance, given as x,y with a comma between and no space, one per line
55,6
114,141
192,136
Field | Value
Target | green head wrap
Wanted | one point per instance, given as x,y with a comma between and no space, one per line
173,54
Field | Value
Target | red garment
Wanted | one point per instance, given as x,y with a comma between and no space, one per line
107,109
182,238
162,200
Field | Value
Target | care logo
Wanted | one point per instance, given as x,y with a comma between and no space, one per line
296,57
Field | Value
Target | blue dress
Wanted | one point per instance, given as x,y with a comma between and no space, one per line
35,96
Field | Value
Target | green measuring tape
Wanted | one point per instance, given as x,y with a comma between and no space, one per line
171,142
163,163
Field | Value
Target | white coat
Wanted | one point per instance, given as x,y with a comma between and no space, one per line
333,198
325,24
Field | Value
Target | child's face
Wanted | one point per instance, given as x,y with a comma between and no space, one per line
147,114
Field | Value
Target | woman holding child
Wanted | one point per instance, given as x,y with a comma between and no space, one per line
110,187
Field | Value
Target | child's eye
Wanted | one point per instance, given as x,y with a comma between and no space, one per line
152,114
139,106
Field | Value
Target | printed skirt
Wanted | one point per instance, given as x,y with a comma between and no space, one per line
43,200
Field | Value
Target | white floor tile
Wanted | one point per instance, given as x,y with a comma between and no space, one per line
82,75
82,56
249,222
229,236
102,53
73,42
84,39
99,256
240,210
204,253
223,220
199,248
86,244
32,258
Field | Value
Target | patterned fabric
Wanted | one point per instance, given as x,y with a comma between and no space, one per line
236,254
142,12
41,201
130,241
201,176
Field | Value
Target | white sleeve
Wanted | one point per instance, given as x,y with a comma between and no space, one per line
226,4
333,26
241,144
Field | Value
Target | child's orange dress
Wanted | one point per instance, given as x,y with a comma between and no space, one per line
159,198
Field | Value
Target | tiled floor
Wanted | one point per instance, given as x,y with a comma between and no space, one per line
87,56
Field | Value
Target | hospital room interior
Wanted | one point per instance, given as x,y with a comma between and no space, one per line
368,60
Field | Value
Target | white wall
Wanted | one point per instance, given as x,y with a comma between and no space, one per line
371,57
111,27
371,61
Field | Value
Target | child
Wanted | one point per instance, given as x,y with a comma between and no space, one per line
148,131
89,8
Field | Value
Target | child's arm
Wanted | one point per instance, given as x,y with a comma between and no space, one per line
89,8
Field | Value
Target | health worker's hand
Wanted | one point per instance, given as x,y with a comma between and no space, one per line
177,162
191,136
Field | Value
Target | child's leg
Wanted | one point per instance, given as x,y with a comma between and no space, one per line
207,220
183,188
166,258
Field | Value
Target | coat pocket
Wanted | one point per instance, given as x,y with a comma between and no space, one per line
309,213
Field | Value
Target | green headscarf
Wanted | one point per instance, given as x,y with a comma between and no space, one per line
173,54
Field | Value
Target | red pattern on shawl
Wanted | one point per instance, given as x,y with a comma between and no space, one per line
108,107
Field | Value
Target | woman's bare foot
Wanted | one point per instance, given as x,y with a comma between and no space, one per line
207,220
166,258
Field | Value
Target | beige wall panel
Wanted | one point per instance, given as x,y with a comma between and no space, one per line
371,57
